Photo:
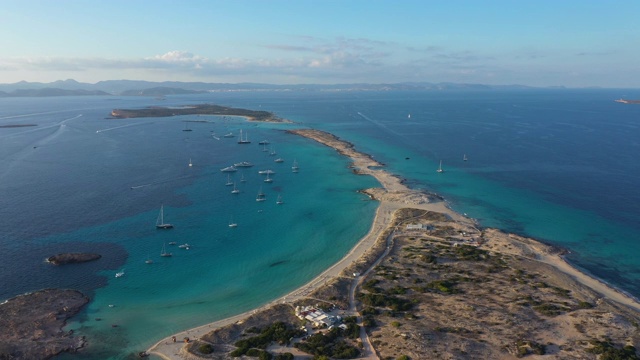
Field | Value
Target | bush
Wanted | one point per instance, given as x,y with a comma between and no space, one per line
205,349
285,356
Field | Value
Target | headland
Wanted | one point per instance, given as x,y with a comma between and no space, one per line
625,101
32,324
427,282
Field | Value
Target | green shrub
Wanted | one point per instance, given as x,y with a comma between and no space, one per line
205,349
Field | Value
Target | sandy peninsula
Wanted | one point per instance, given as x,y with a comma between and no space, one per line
428,283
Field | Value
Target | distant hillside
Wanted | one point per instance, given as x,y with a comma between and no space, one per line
160,91
51,92
150,88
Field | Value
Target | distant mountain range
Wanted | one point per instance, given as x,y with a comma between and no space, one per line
148,88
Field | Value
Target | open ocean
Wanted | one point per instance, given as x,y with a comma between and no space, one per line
557,165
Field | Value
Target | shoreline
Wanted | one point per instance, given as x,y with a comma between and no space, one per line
394,195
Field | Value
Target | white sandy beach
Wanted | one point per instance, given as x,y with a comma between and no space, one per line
392,196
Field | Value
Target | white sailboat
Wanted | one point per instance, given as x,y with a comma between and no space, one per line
190,163
160,224
440,170
232,224
294,167
164,252
272,152
120,273
235,190
268,179
261,196
279,201
242,179
464,157
244,140
229,182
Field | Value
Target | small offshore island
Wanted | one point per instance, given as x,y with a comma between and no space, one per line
203,109
72,258
427,283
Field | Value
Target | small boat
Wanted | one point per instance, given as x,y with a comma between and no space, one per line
440,170
172,242
464,157
264,142
268,179
190,163
235,190
244,140
160,224
228,135
294,167
229,182
164,252
184,246
261,196
243,164
120,274
279,160
279,201
266,172
409,116
148,261
229,169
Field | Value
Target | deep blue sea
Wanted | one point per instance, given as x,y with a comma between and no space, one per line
557,165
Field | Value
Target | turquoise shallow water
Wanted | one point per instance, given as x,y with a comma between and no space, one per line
79,181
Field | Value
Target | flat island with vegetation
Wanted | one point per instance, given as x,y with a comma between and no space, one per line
202,109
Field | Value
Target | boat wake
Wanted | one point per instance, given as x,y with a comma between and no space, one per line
159,182
379,124
121,126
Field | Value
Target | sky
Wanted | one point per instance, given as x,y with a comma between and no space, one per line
537,43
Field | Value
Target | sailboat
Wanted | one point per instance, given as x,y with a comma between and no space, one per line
264,148
242,179
261,196
232,224
244,140
186,126
273,152
235,190
120,273
164,252
464,157
160,224
440,168
229,182
279,201
190,163
294,168
268,179
148,261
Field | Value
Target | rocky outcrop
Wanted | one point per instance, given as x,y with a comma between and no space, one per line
72,258
32,324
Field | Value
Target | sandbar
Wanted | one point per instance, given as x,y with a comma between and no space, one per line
395,197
